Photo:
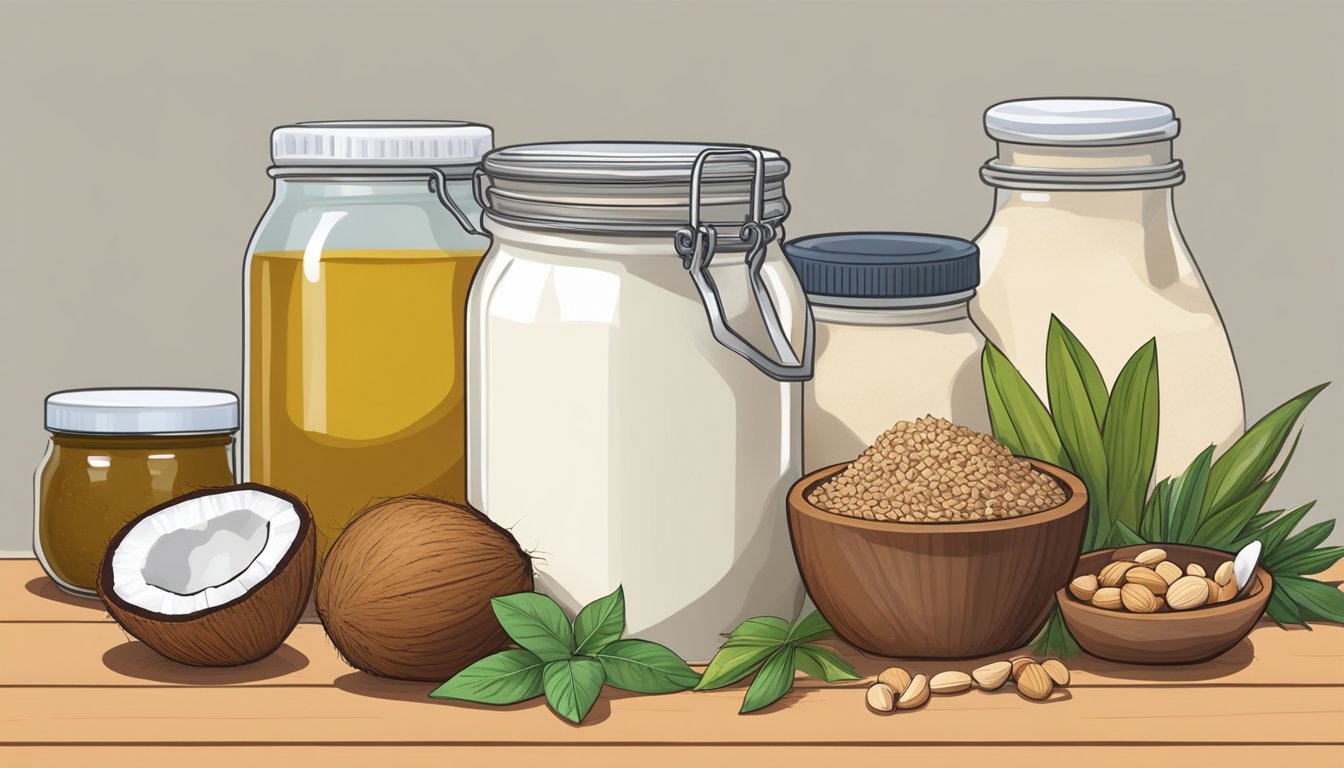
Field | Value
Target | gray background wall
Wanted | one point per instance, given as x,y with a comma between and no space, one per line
133,139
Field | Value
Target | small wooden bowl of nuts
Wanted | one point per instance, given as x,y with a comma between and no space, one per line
1160,603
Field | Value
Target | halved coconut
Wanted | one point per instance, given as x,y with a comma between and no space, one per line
215,578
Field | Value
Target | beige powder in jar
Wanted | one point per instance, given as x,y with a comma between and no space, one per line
933,471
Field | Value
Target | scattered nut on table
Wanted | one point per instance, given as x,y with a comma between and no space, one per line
1035,681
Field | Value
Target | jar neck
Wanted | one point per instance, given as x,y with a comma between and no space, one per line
350,190
1144,206
1104,168
136,442
893,316
620,245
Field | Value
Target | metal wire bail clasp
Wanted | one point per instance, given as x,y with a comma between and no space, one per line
697,245
438,184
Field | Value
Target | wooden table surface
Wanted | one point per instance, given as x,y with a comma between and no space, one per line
77,690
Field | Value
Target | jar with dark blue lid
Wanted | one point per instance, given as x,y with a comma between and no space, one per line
894,339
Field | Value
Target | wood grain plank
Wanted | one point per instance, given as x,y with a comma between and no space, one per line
100,654
26,594
586,756
361,713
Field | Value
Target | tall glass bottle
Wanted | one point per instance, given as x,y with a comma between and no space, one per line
1083,228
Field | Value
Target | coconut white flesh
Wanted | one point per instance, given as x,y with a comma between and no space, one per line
203,552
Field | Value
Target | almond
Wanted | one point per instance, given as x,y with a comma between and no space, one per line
1187,592
950,682
1150,557
991,676
1161,604
1227,592
1148,578
916,694
1084,587
1213,591
895,678
1113,575
1225,573
881,698
1169,571
1195,569
1106,597
1034,683
1057,671
1138,599
1017,663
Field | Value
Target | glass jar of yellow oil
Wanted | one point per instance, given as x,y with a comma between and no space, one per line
355,288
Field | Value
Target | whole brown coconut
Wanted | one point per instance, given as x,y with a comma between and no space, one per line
405,592
214,578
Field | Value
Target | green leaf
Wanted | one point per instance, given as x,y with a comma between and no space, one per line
811,627
823,663
1154,524
773,681
1054,639
1300,544
1221,527
1129,437
1093,383
732,663
1312,598
1283,610
1123,536
535,622
1017,416
767,630
600,623
645,667
1250,458
504,678
572,686
1310,563
1279,530
1187,495
1078,430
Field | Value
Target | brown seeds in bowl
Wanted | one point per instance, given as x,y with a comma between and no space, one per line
1151,557
933,471
1125,584
1113,575
1147,577
1108,598
1188,592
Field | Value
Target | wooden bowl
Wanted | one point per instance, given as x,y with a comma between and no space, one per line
936,590
1177,637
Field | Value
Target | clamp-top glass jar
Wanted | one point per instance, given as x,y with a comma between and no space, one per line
356,283
635,345
1083,229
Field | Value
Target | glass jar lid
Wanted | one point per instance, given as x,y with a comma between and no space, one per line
1081,122
381,143
631,187
885,269
143,411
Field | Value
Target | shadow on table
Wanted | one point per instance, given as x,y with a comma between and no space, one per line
135,659
362,684
1237,658
46,589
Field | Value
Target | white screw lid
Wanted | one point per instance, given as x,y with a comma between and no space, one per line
1081,122
142,411
381,142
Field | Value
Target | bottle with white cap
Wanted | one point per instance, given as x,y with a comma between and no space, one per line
1083,228
355,286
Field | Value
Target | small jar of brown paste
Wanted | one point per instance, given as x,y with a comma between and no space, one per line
113,454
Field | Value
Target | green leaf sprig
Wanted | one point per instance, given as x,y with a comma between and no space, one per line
1109,439
567,663
776,648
